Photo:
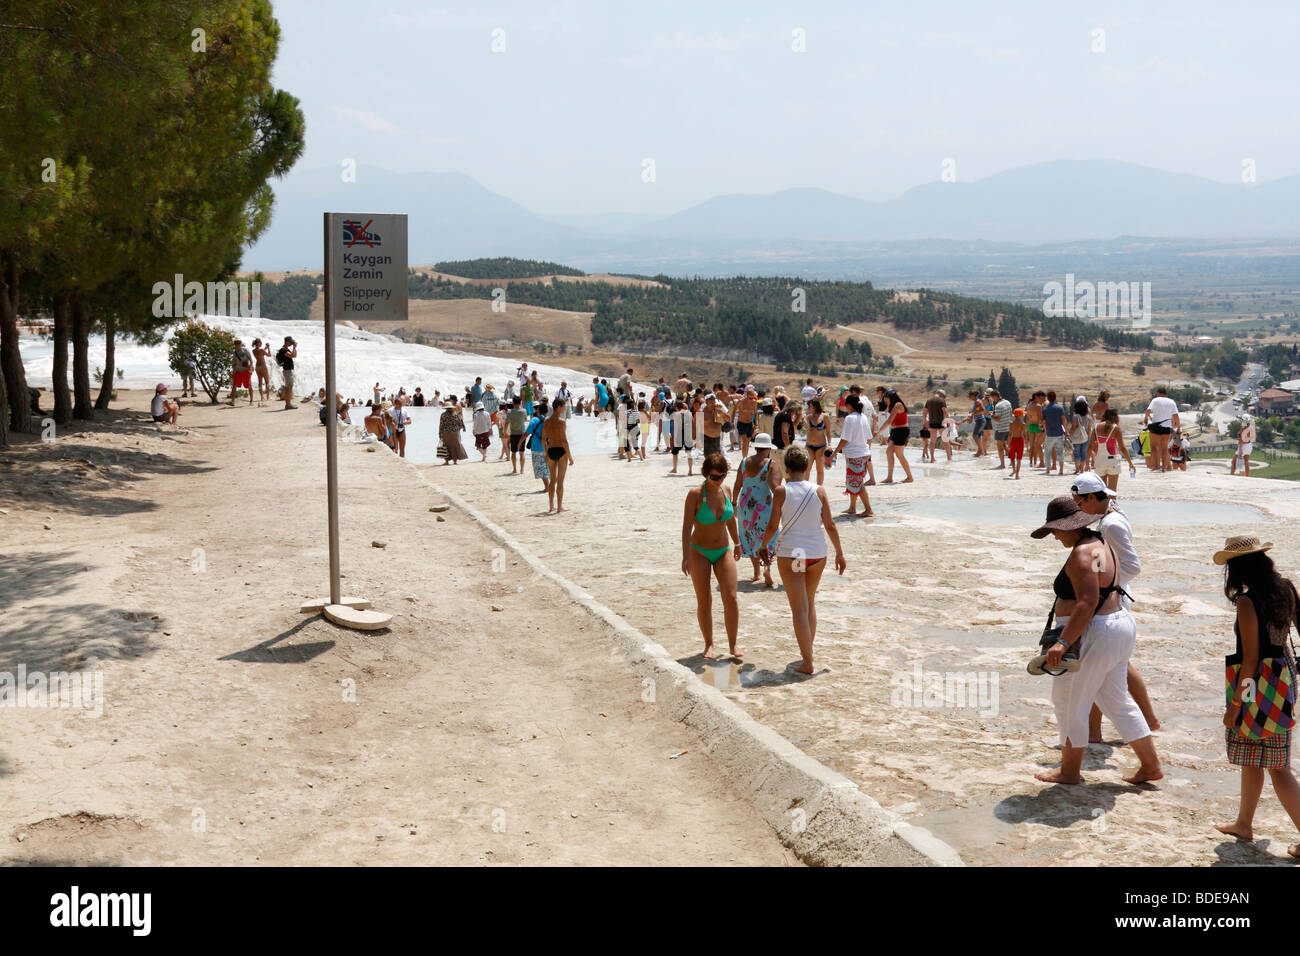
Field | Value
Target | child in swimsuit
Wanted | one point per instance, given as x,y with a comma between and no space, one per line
1019,430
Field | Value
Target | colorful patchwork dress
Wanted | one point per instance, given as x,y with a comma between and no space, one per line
754,510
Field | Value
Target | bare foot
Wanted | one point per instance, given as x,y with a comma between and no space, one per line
1054,776
558,510
804,668
708,654
1144,775
737,653
871,482
850,513
868,514
906,481
767,580
1240,831
755,577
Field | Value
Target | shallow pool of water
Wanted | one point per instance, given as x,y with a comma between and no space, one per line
1029,512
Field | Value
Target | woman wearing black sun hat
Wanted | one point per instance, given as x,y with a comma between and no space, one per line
1089,649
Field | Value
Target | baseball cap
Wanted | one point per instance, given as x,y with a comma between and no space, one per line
1018,411
1089,483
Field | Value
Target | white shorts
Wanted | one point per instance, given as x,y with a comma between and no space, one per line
1246,449
1105,465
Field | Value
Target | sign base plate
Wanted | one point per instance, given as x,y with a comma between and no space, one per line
346,616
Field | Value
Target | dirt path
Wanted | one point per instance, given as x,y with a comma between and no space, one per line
235,730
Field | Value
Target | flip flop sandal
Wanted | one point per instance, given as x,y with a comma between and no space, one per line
1039,666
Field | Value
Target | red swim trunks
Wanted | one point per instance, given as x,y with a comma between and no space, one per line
1016,449
243,379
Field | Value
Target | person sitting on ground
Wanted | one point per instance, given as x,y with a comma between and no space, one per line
374,422
340,409
163,408
1177,456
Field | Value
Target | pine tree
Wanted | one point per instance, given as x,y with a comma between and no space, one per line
1007,387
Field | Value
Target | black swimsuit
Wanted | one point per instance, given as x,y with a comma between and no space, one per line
1063,587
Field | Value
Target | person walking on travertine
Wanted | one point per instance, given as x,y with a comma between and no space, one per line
801,511
756,480
1262,671
1087,605
708,535
855,442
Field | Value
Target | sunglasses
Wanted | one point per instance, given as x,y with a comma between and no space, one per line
716,476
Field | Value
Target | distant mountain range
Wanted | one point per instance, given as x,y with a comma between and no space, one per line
452,216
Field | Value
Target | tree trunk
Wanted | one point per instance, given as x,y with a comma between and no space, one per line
81,402
20,403
110,363
4,410
62,403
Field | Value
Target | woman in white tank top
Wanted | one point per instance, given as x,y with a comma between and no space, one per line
802,510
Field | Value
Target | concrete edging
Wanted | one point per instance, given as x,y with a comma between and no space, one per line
839,824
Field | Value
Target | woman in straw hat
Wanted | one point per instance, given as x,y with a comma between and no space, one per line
1088,606
1266,606
756,480
450,426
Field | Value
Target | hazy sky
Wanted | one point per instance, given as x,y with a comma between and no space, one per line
562,120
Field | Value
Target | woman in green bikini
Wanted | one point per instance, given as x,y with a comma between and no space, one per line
710,548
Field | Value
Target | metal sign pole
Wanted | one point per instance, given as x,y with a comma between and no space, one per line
331,420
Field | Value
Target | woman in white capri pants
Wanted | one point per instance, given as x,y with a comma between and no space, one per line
1088,605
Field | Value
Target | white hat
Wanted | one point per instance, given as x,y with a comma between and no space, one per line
762,440
710,397
1089,483
478,407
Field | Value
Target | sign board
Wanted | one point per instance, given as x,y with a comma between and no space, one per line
365,266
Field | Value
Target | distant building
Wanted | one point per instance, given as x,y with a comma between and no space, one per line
1273,401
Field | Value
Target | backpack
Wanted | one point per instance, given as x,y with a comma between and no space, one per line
535,436
279,357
